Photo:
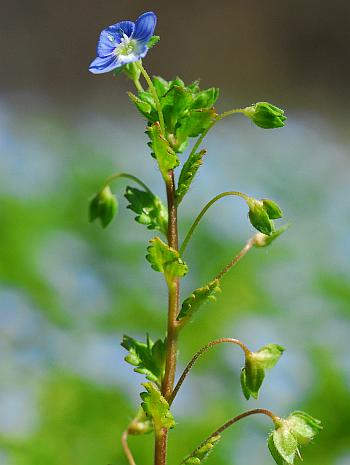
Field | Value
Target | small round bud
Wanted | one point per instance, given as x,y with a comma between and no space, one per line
265,115
103,205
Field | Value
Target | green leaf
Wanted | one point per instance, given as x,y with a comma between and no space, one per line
149,209
206,98
188,173
103,206
165,155
195,123
245,389
161,85
197,298
283,445
153,41
253,376
157,408
274,452
175,102
148,358
202,453
165,259
262,240
143,106
272,209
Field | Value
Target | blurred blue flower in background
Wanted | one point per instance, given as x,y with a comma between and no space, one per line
123,43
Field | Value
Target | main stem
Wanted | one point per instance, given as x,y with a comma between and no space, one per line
172,329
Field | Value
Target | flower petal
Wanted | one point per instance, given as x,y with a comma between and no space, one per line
107,43
104,64
124,27
144,27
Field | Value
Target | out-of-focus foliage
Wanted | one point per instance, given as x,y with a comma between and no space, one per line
69,290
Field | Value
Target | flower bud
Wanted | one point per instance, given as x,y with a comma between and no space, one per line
253,373
103,205
259,217
290,433
262,212
265,115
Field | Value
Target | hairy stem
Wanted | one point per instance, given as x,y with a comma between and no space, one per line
154,95
229,423
237,258
115,176
199,354
126,449
172,330
203,212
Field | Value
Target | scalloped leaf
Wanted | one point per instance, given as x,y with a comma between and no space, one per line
198,297
188,172
165,259
149,209
164,154
157,408
148,357
197,121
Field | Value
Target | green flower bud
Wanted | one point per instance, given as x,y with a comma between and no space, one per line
253,372
259,217
265,115
261,213
291,433
103,205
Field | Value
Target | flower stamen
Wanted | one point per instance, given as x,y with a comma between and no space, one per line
126,47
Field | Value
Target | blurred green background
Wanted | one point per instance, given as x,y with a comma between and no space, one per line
69,290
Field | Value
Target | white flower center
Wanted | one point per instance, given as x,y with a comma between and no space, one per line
126,47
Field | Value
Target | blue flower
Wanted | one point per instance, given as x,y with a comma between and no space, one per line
123,43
